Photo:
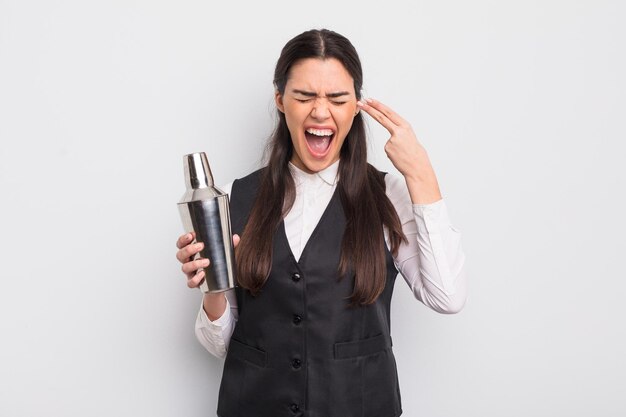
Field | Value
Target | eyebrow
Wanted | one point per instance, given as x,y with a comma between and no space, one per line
312,94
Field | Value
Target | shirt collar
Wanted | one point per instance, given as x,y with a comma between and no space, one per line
328,174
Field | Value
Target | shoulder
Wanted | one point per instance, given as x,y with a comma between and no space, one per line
394,185
252,177
242,197
395,189
248,179
248,184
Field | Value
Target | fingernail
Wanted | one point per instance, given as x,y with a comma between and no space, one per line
199,246
360,103
369,100
205,262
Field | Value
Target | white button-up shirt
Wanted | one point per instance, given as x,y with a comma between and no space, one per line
431,262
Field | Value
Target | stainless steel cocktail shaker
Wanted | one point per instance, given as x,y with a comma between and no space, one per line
204,210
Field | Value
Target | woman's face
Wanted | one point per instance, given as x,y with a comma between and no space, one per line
319,104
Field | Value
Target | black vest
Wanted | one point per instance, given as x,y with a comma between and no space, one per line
298,349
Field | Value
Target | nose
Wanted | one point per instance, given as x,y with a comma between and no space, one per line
320,109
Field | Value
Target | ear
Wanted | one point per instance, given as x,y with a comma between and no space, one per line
278,98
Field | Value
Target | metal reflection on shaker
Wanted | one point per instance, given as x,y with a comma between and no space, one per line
204,210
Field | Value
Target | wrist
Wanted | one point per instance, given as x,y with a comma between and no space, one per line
423,191
214,305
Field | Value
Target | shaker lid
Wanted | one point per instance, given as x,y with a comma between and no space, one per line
197,171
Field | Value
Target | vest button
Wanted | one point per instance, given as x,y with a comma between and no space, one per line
296,363
296,277
297,319
294,407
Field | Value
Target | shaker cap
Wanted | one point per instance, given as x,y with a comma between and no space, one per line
197,171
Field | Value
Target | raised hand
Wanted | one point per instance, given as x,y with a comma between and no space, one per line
406,153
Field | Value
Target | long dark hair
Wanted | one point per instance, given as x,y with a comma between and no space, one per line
361,187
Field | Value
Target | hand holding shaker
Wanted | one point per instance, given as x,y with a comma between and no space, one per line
204,210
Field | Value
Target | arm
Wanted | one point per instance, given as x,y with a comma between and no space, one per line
215,335
432,262
218,312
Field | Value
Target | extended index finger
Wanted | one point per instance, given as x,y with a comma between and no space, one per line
378,116
387,111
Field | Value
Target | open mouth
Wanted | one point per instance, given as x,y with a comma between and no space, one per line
318,141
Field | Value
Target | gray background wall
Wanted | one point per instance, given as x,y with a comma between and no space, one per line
520,104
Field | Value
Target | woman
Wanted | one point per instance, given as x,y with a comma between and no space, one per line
323,236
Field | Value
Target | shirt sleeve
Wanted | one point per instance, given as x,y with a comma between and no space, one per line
432,261
215,335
